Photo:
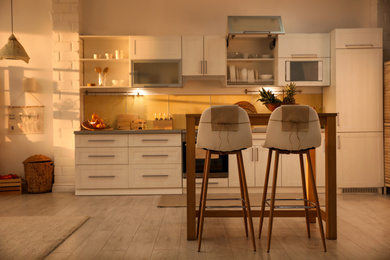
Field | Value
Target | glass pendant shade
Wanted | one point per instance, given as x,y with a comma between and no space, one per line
13,50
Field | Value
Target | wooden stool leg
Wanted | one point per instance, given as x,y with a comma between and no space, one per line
205,167
272,206
316,201
246,195
242,196
203,198
266,180
304,192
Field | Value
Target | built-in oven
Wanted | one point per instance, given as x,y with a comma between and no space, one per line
304,71
219,166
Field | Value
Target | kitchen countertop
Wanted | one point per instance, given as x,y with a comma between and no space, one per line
149,131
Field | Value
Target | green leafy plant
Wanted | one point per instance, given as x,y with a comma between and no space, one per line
268,97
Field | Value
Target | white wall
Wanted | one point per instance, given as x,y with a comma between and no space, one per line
155,17
33,27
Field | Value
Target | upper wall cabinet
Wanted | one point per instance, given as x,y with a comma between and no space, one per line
107,54
155,47
204,55
352,38
302,45
251,61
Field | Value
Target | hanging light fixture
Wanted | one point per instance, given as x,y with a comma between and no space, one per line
13,50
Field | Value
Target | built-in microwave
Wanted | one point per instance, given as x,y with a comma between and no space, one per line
304,71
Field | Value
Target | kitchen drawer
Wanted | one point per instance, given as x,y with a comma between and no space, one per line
358,38
155,140
155,176
101,156
153,155
103,140
100,177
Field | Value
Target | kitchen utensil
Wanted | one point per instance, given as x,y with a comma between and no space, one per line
123,121
232,73
244,74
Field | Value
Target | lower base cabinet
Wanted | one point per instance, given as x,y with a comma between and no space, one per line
121,164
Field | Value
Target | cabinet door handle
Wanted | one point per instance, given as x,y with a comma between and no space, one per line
135,47
303,55
155,155
369,45
102,176
201,67
102,140
205,67
101,155
338,118
154,175
154,140
338,142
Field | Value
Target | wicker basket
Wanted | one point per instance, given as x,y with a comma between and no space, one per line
39,171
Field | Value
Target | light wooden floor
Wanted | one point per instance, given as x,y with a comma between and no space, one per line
132,227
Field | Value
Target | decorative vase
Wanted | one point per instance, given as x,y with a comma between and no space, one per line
272,107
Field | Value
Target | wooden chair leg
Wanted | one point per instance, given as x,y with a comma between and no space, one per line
304,192
205,167
316,200
266,180
203,198
272,206
246,195
243,201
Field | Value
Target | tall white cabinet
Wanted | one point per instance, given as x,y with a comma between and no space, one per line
356,95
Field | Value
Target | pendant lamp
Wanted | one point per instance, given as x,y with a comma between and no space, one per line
13,50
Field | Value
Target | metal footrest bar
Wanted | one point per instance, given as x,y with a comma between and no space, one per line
313,206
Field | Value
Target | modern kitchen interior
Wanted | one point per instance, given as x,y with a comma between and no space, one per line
108,98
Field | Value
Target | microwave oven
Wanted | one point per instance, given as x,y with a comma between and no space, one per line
304,71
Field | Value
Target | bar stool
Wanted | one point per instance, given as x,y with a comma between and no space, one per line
224,130
292,129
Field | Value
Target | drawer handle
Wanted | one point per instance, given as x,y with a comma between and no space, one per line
304,55
106,140
108,155
154,140
210,182
155,155
359,45
103,176
154,175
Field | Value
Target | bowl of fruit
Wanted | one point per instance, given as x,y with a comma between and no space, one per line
96,123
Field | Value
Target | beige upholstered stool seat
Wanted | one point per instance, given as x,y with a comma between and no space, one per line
224,130
292,129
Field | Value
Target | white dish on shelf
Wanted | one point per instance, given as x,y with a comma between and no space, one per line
265,76
118,82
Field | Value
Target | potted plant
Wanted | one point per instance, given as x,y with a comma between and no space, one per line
269,99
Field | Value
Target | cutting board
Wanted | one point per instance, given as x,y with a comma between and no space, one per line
123,122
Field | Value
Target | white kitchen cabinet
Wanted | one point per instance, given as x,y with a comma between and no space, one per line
359,99
360,160
255,162
204,55
155,47
155,161
250,58
304,45
110,52
119,164
358,38
356,94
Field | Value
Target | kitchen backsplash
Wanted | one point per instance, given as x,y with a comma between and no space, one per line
146,107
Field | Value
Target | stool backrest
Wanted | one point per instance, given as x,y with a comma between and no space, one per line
224,128
293,128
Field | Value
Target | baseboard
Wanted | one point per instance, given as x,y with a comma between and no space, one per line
63,188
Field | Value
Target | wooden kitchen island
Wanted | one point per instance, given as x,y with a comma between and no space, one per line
329,215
